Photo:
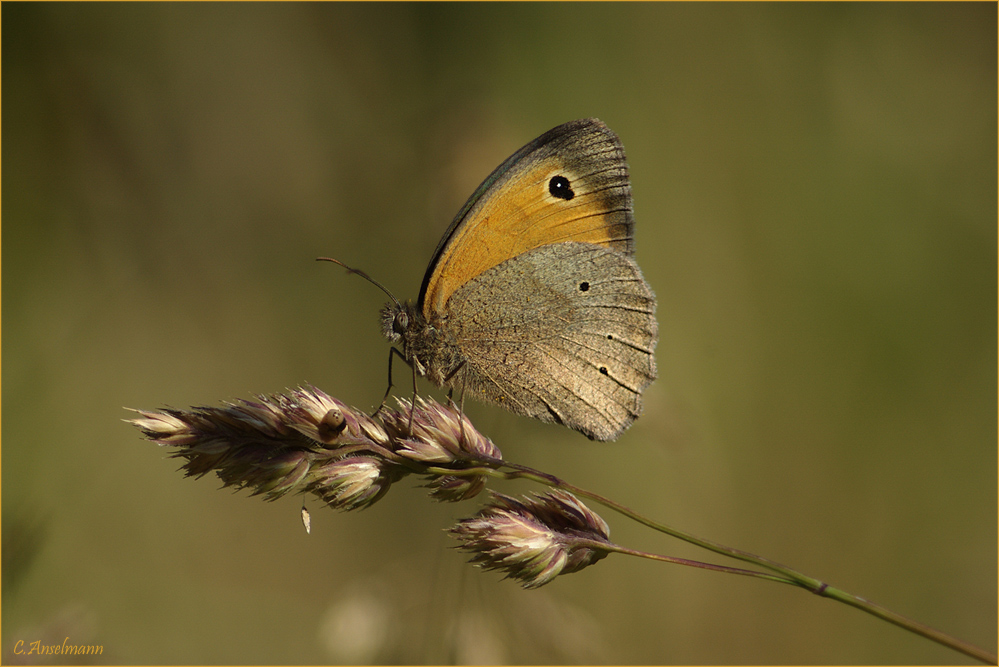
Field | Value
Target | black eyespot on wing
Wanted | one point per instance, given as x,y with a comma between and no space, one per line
603,370
584,286
559,188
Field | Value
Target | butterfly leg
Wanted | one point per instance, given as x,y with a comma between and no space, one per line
412,407
450,392
388,389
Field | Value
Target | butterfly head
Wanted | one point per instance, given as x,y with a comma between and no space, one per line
396,319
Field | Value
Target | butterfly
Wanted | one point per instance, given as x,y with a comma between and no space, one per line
533,300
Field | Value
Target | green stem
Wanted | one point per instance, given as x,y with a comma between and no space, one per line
788,575
594,544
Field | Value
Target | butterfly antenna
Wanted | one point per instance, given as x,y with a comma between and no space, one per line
363,275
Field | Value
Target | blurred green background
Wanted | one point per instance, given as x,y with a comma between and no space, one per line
815,195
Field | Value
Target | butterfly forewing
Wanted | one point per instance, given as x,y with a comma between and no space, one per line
570,184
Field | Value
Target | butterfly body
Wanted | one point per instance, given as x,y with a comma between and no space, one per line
533,300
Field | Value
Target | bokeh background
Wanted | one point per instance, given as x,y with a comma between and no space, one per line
815,195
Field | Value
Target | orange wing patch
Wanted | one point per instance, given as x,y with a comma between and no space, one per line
526,208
